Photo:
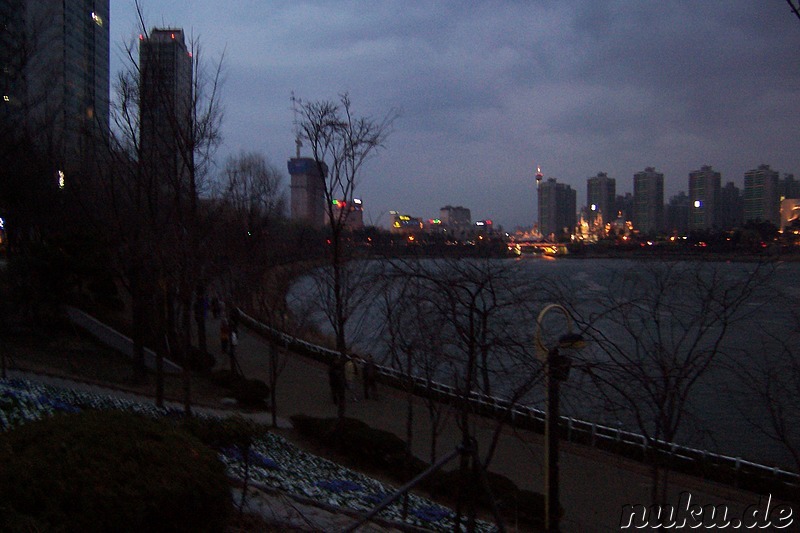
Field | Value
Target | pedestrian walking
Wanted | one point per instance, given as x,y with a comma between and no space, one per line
233,344
368,375
350,375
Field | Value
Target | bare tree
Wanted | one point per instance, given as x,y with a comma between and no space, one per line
476,319
340,144
766,386
152,204
656,330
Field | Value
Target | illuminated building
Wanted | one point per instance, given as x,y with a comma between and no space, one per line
648,200
600,194
351,215
166,104
308,191
762,195
704,194
405,224
557,209
790,212
54,59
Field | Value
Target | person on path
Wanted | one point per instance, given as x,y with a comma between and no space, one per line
368,372
233,344
350,374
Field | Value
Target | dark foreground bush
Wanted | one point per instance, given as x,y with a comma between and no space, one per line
109,471
248,392
251,393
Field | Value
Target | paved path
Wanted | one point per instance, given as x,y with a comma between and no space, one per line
595,485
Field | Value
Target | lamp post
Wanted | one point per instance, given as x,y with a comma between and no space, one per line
557,367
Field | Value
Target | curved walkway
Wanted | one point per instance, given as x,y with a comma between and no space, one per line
595,485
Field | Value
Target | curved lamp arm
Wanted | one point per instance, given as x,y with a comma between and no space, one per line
542,350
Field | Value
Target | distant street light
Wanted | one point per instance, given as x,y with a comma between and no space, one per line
557,367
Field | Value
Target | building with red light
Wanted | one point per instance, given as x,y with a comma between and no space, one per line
165,65
351,215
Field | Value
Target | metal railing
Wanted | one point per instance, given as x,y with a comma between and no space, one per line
718,467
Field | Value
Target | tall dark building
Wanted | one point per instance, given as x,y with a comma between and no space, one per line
166,105
678,214
648,200
762,195
54,56
790,187
600,195
557,209
731,207
704,193
624,206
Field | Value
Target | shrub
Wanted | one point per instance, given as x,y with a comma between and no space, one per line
201,362
109,471
251,392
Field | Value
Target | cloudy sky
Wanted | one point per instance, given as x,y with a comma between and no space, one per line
489,90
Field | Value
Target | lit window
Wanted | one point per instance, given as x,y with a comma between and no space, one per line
97,19
6,98
698,203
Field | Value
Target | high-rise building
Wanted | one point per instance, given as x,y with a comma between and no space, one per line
12,51
601,192
704,193
307,191
456,220
351,215
731,207
790,187
648,200
55,74
624,206
678,214
165,108
557,209
762,195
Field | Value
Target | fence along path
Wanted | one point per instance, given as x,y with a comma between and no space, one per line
595,483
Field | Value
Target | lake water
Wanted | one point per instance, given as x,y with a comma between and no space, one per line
722,414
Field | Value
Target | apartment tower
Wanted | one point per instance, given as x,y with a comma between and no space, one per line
557,209
704,198
54,57
648,200
601,192
762,195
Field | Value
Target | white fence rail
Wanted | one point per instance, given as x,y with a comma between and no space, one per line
574,430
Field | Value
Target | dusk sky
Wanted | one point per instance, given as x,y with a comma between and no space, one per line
489,90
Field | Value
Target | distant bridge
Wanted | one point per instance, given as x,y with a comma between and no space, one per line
537,248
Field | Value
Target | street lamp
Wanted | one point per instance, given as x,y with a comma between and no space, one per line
557,365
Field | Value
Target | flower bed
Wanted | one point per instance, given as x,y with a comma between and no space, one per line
273,461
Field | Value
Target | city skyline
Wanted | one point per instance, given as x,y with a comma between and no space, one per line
489,93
